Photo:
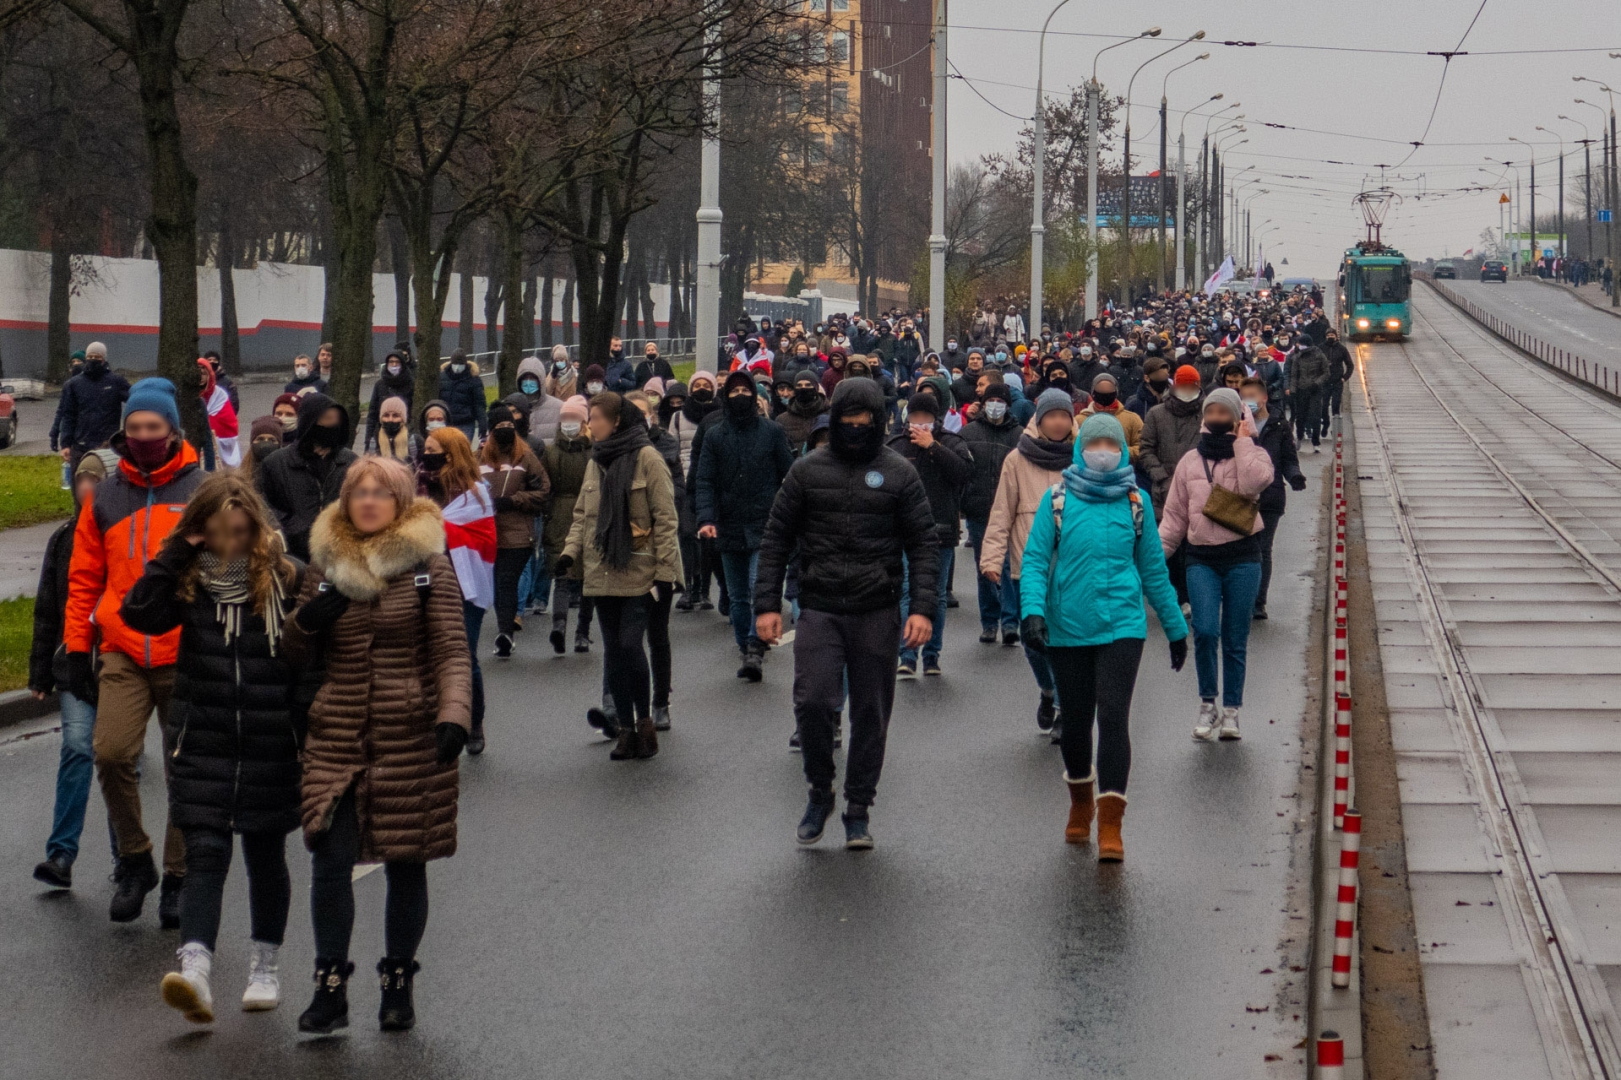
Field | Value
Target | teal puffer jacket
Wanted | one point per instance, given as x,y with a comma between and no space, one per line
1093,592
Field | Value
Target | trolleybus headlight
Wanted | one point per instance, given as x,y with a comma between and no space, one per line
1394,324
1362,324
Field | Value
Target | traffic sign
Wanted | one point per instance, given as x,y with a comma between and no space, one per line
1605,217
1503,198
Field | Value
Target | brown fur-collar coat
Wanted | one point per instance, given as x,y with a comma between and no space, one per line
396,666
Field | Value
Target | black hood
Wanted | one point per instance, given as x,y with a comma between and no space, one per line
310,410
421,424
857,395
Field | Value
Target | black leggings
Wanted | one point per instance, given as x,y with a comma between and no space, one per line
332,894
509,564
564,592
1097,679
658,642
624,621
208,860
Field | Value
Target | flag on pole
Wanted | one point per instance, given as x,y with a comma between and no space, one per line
1468,253
1223,274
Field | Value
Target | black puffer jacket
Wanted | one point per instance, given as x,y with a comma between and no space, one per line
944,468
669,448
92,408
851,521
464,394
1308,371
297,483
1277,438
238,712
401,386
47,660
739,468
989,443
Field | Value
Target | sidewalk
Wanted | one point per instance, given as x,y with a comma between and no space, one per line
1590,294
21,552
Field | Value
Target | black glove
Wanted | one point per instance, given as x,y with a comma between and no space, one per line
504,503
1298,483
1179,653
451,739
81,676
563,565
1033,632
322,612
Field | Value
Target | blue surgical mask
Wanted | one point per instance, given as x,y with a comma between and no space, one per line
1101,460
529,386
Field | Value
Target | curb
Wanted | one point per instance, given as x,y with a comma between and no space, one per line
18,706
1606,308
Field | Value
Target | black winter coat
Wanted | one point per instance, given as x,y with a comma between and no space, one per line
989,443
1308,371
297,483
669,448
312,379
464,394
1341,366
238,712
1278,440
796,421
92,409
656,368
738,470
402,385
945,469
851,521
47,660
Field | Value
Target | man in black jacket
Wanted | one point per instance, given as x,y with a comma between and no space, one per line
859,515
92,408
990,436
944,462
1273,435
299,480
462,388
739,467
1341,370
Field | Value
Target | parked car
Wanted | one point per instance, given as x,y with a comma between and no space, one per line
8,416
1493,270
1446,268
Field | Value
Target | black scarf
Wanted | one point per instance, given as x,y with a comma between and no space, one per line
1216,447
695,410
1046,454
616,460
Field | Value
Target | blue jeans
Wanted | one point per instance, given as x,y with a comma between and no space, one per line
1040,667
474,615
739,568
931,648
998,605
536,583
73,775
1223,605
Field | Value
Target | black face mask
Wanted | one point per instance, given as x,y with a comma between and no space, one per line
1219,427
1105,397
1160,385
433,462
391,428
703,397
617,354
855,442
1058,382
806,395
505,437
262,450
741,407
95,367
329,437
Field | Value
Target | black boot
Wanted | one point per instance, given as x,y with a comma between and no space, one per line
475,740
330,1009
137,876
397,1013
582,640
559,631
169,902
753,657
56,872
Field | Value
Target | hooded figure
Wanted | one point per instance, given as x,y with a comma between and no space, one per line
543,408
462,388
300,480
807,404
396,379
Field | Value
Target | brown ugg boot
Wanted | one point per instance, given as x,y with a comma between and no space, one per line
1111,812
1079,829
647,738
628,746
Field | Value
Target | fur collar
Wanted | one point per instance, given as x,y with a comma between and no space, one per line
361,567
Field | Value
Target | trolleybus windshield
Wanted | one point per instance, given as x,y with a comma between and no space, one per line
1383,284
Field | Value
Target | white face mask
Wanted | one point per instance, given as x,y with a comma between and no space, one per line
570,428
301,371
1186,393
1207,351
593,388
458,368
1086,352
393,369
995,410
434,425
951,346
1101,460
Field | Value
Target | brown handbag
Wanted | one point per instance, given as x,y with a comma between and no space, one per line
1228,508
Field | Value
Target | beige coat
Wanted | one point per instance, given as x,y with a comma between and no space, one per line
655,550
1018,491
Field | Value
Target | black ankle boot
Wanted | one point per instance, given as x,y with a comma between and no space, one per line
397,1013
137,875
169,901
330,1009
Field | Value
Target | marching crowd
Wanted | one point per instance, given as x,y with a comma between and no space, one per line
305,621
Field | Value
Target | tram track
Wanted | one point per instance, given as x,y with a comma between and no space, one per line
1571,1004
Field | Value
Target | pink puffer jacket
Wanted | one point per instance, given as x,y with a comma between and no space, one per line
1248,472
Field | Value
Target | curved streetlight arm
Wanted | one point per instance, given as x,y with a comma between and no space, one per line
1586,135
1197,36
1212,117
1152,31
1195,111
1165,83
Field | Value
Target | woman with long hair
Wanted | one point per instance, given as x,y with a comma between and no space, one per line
381,606
624,538
239,714
450,477
519,488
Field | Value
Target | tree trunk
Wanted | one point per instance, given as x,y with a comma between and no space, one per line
512,337
464,296
568,309
430,286
546,308
531,292
495,294
329,267
230,332
58,333
650,319
399,260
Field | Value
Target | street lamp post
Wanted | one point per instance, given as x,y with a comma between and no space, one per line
937,215
1038,227
1535,250
1093,155
1209,201
1180,231
1514,210
1587,178
706,319
1561,139
1613,174
1164,132
1125,202
1606,152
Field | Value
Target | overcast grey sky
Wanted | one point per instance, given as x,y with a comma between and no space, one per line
1382,99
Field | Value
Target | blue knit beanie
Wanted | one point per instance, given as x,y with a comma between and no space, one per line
153,395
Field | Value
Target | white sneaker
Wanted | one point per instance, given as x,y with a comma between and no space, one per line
1229,724
264,985
187,990
1208,722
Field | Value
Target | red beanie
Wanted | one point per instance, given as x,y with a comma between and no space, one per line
1187,375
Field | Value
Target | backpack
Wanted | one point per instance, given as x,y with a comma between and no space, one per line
1136,498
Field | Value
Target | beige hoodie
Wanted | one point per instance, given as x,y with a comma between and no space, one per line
1018,493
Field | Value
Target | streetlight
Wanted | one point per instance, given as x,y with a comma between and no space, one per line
1535,249
1237,220
1164,133
1182,198
1125,202
1606,177
1613,184
1093,89
1515,206
1587,177
1038,227
1561,139
1246,217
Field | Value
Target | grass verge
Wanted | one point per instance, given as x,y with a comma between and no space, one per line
31,491
16,636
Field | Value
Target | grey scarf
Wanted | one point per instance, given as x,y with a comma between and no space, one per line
227,583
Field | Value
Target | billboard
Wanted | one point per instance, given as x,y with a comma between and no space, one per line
1144,202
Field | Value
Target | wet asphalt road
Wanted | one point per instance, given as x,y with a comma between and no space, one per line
1551,314
655,919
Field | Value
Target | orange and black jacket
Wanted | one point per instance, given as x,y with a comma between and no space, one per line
120,531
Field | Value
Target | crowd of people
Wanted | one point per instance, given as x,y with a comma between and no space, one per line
304,621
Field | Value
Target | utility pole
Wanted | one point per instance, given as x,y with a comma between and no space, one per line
1200,228
1092,155
1179,233
1561,205
937,234
706,319
1159,277
1587,191
1609,228
1536,248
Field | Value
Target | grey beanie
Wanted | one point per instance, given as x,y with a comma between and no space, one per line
1054,401
1227,396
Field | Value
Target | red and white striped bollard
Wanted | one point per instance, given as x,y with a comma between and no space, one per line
1345,918
1342,758
1330,1056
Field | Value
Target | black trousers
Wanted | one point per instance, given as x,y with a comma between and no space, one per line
565,591
658,641
1308,416
1269,519
828,649
332,893
709,567
1335,389
691,564
1097,681
208,860
624,622
509,564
